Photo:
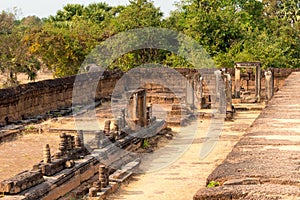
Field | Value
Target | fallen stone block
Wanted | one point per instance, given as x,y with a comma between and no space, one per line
21,182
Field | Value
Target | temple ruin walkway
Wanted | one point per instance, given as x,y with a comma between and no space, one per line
181,179
265,163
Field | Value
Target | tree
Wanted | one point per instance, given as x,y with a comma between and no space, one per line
68,13
66,38
286,9
97,12
15,56
217,25
138,14
271,8
240,30
290,11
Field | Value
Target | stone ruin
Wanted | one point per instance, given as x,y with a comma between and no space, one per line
58,174
253,72
37,101
69,150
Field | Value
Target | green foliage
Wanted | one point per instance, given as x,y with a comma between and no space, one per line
145,144
213,184
138,14
290,11
230,31
15,56
29,128
240,30
173,60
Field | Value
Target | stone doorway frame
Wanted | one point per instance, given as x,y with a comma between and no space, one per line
237,84
136,108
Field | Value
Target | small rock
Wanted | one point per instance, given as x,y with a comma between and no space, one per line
69,164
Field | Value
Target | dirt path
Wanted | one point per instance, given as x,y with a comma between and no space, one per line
21,154
27,150
178,181
183,178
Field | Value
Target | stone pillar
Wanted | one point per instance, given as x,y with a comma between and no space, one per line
219,100
218,79
63,144
189,93
135,106
103,176
149,113
137,117
70,143
237,83
107,127
78,141
120,122
141,110
201,91
46,154
40,130
115,129
258,83
80,135
99,139
269,85
123,118
228,90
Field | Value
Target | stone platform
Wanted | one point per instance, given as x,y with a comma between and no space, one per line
265,163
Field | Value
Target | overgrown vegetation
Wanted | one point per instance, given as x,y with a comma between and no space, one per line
213,184
231,30
145,144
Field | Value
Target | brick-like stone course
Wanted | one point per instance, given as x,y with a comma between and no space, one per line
40,97
20,182
264,164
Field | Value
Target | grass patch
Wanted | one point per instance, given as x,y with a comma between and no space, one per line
29,128
145,144
213,184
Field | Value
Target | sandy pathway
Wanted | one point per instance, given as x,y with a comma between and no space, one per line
27,150
184,177
21,154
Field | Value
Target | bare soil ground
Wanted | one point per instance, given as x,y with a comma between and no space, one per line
182,179
27,150
179,180
21,154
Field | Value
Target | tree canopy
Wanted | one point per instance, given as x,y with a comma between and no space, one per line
230,31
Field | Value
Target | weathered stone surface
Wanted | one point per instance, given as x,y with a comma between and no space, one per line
40,97
249,192
264,164
55,166
21,182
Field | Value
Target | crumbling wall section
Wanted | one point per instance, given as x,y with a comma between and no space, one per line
37,98
40,97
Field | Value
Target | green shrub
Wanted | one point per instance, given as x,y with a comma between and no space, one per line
213,184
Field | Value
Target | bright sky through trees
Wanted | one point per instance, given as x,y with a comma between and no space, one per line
44,8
